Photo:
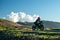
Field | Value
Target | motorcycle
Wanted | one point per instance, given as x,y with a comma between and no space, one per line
39,25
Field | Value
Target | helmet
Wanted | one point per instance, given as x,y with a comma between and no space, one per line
38,18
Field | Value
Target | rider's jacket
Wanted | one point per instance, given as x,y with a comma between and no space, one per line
38,22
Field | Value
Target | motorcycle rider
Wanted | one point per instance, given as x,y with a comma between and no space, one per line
38,23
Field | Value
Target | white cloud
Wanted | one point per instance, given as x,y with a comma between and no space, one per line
21,16
13,17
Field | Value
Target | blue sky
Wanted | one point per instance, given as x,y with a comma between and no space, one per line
47,9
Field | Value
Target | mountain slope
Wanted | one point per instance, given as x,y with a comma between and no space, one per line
7,23
49,24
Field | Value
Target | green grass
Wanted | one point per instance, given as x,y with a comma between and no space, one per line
28,33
